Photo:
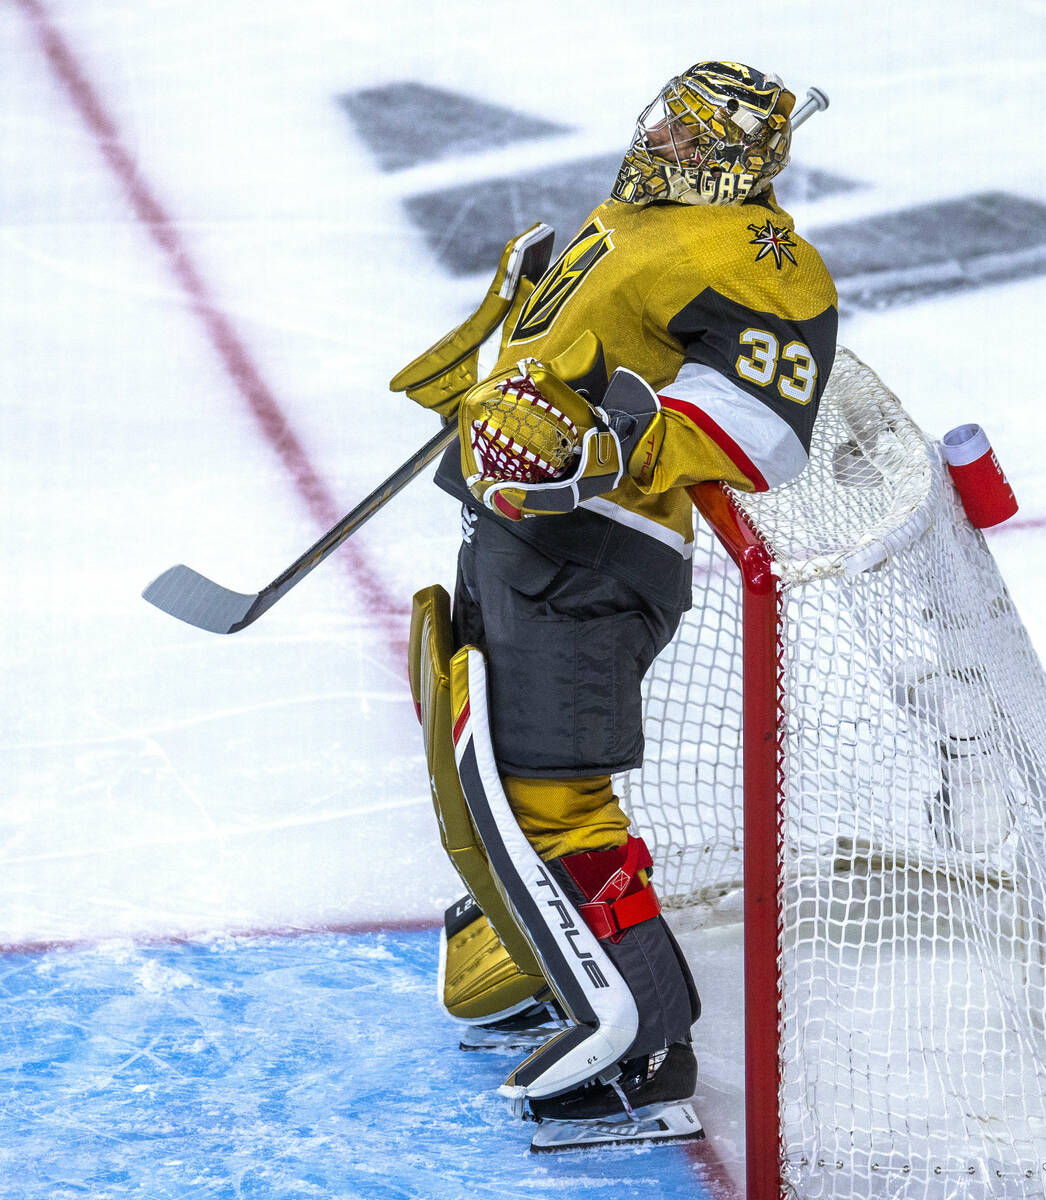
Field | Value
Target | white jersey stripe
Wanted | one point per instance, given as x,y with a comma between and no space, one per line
684,547
767,439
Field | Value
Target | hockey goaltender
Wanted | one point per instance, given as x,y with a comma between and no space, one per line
685,333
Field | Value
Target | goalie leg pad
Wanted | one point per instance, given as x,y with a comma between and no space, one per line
479,981
588,984
612,892
480,987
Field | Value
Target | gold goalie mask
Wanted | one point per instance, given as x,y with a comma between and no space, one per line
716,134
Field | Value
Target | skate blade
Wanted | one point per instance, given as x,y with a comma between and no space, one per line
675,1122
515,1041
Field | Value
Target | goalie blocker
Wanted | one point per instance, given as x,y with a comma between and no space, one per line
593,921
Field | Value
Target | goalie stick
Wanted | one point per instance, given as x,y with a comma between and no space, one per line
816,101
191,597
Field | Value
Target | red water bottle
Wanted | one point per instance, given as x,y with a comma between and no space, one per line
985,494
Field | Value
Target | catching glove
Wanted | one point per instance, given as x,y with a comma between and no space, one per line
438,378
532,446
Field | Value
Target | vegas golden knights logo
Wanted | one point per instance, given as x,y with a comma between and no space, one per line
561,281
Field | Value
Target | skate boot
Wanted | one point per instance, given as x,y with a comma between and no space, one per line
649,1101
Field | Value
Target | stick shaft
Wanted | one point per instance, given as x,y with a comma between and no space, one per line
191,597
816,101
366,509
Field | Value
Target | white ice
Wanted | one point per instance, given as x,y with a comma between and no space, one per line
159,779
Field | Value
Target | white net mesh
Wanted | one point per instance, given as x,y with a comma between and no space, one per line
913,887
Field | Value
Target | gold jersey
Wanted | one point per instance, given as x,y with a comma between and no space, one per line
730,316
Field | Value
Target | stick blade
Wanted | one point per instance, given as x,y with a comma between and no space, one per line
191,597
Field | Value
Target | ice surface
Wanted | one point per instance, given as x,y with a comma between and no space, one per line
308,1067
159,780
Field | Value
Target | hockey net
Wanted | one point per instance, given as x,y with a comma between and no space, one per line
849,730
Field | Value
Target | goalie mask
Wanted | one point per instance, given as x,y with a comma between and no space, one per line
716,134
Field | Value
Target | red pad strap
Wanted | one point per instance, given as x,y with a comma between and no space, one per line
610,920
609,880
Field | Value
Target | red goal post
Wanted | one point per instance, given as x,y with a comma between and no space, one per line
761,766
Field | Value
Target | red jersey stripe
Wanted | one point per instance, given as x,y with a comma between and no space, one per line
718,435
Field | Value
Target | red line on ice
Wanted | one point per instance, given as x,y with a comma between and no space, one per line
1019,525
391,925
230,348
712,1170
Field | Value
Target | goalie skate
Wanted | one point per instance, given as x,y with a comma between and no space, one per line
650,1100
670,1122
524,1031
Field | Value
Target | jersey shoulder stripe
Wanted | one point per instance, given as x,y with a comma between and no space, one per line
722,439
753,435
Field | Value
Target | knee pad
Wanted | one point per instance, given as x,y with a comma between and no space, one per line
478,982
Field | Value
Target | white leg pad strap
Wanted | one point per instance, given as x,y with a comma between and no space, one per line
587,983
